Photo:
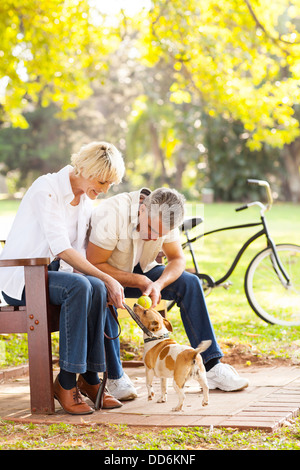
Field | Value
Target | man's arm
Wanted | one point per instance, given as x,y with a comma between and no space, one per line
98,257
175,266
81,264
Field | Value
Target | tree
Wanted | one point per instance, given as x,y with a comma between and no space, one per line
44,146
50,52
240,58
230,162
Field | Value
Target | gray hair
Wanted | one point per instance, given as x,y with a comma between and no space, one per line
168,204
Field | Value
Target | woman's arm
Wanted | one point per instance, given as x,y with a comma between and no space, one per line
81,264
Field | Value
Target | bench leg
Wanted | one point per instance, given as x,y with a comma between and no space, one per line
39,341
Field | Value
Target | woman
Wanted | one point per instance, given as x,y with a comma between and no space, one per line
52,221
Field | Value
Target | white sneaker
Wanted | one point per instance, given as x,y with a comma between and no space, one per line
225,377
122,389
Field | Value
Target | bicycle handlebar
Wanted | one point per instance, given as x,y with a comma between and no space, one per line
241,208
268,190
266,185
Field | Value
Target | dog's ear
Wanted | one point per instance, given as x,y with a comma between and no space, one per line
167,324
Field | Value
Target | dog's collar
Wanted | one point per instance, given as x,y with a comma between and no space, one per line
155,338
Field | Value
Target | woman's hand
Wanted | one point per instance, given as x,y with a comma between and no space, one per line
115,292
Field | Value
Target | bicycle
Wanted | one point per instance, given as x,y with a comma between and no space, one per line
272,278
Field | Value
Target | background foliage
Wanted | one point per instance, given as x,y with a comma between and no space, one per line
195,94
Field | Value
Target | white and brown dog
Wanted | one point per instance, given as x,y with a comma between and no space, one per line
164,358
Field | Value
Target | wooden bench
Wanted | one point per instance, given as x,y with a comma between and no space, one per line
38,319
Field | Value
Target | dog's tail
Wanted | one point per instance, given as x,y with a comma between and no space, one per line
203,346
189,358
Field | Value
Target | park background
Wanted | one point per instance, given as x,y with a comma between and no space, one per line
198,95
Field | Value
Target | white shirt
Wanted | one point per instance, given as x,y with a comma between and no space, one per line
45,225
113,228
139,250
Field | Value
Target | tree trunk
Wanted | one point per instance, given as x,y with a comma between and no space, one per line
180,167
291,156
157,151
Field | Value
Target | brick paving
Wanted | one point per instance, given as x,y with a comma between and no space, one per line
272,398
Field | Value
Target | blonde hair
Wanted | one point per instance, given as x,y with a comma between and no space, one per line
99,159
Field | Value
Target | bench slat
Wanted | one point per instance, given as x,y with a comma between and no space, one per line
7,263
12,321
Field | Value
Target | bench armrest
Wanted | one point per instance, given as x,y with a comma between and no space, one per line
4,263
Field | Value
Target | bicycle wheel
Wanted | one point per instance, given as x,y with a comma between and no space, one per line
267,291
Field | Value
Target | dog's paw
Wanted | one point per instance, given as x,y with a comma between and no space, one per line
178,408
162,400
204,402
150,396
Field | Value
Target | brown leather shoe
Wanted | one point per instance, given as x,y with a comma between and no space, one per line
90,391
71,400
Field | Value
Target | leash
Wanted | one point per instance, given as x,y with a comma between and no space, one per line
101,389
150,334
150,337
134,317
154,338
112,311
138,321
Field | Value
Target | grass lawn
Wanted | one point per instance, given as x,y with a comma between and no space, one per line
245,340
242,334
8,206
111,437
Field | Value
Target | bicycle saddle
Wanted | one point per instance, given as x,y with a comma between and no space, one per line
188,224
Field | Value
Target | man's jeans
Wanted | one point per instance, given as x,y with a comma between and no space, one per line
188,293
83,301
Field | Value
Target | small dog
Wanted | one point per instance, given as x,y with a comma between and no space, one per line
165,358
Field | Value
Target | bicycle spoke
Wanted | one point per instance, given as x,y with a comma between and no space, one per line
267,290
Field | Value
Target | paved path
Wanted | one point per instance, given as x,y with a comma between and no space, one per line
272,398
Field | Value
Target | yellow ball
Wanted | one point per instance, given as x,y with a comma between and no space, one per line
145,301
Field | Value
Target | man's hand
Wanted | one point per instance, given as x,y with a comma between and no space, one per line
153,290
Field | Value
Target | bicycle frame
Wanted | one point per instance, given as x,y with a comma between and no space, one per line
281,273
210,281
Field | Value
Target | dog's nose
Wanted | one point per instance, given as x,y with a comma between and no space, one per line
135,305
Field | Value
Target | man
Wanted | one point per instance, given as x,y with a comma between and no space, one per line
127,233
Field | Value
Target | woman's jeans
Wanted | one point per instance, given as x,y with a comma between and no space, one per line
83,301
188,294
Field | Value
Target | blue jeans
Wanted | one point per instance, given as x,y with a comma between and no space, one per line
83,315
188,294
